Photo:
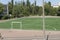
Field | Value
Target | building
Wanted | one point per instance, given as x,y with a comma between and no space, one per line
59,3
5,11
56,6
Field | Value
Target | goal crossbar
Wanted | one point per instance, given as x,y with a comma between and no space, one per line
16,22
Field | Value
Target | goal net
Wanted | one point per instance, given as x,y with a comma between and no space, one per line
16,25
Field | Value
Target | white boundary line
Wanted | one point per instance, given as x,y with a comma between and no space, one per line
54,28
30,17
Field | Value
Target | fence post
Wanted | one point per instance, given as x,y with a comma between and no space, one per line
1,38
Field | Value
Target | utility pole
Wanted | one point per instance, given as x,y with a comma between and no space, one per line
43,22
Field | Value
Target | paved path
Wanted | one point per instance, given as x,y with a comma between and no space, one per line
28,35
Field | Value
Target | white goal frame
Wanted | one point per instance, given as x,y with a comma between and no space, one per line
18,23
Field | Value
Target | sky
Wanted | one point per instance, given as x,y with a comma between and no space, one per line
39,2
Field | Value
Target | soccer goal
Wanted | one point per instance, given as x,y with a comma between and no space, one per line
17,25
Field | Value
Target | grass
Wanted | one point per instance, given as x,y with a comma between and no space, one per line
33,24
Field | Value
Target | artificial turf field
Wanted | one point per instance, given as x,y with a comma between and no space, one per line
32,23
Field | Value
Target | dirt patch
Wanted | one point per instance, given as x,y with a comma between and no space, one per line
26,33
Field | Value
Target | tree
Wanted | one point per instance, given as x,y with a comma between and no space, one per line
35,8
40,11
35,2
10,7
58,12
18,10
53,11
28,3
1,8
49,3
12,4
48,9
23,3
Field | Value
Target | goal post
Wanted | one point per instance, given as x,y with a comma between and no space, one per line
12,25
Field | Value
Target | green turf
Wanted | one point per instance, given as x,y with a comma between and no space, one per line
33,23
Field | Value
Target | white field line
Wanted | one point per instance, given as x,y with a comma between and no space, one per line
42,17
18,30
29,17
54,28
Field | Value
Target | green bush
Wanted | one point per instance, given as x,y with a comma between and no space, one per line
5,17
